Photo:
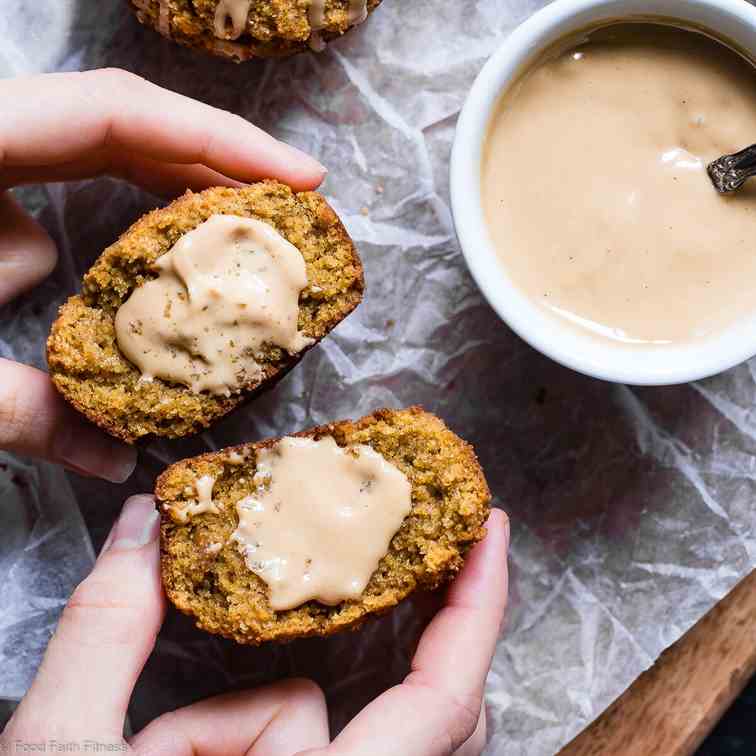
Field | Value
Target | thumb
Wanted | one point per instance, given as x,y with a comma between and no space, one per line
104,636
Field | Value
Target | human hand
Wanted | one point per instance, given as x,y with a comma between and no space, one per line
108,630
438,709
61,127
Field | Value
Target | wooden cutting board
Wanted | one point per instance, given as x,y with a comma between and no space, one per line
671,708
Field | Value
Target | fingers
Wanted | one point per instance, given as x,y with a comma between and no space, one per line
455,651
27,253
36,421
437,708
162,179
279,719
104,636
119,114
475,744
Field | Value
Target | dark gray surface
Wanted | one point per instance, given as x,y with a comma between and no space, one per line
735,735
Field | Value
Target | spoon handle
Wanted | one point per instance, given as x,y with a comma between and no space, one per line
728,172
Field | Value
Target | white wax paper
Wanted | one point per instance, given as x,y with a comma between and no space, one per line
44,552
631,509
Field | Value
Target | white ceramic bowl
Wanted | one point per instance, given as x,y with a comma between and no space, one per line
728,20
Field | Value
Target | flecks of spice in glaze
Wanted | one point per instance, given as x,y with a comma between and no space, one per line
224,291
321,519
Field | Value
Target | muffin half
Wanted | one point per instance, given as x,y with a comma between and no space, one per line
230,517
88,366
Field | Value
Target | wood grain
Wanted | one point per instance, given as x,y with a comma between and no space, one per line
671,708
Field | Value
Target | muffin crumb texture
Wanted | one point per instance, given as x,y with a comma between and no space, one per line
89,370
205,574
274,28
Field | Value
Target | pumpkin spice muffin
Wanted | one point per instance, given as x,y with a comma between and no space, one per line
244,29
89,368
208,574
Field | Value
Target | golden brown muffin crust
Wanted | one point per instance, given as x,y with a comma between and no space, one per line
206,577
275,28
85,363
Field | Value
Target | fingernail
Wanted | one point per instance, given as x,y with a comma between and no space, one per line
77,470
89,451
138,525
302,157
108,541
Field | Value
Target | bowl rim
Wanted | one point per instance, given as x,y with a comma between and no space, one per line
732,21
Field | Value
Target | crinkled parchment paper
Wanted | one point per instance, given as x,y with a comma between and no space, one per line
632,509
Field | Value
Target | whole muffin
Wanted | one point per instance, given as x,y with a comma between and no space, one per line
244,29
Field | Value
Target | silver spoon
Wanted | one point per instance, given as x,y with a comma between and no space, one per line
729,172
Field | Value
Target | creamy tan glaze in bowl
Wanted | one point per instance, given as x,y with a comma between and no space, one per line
627,360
